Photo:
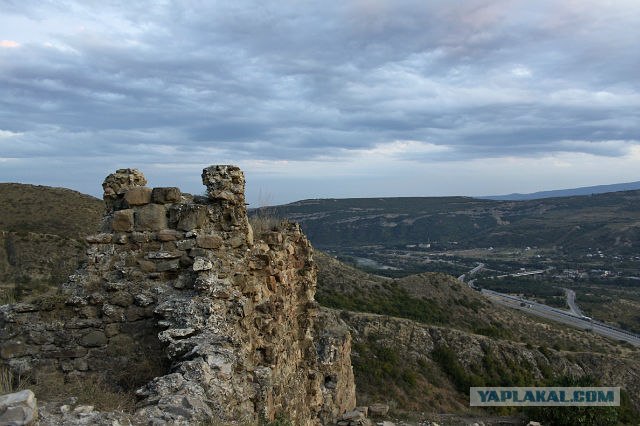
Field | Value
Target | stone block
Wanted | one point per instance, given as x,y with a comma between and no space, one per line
167,235
10,350
166,195
138,196
236,241
19,408
191,217
378,410
209,241
93,339
141,237
168,265
202,264
77,352
147,266
185,244
122,220
121,298
102,238
111,330
152,217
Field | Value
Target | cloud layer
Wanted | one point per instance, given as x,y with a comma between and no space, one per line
280,86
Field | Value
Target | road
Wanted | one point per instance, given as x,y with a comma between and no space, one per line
571,301
574,318
477,269
564,317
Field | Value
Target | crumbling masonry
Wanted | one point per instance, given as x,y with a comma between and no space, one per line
223,325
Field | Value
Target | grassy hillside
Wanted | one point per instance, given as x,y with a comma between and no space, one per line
42,233
609,220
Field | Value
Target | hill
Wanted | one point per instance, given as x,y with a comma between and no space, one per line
41,238
422,340
609,220
585,190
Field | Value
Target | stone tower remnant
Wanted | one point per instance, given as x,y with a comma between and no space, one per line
217,324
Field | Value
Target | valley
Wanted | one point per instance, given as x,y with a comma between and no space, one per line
533,248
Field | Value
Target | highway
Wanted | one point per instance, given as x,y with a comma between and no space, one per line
571,301
574,317
478,268
564,317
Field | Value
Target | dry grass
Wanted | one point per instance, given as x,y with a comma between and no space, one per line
262,222
6,381
91,389
8,295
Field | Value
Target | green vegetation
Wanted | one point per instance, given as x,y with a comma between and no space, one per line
395,302
589,416
532,288
382,371
492,372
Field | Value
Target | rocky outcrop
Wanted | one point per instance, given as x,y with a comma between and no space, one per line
482,356
177,292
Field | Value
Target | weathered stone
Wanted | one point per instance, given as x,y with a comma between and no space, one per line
209,241
10,350
353,415
168,265
236,241
224,183
163,255
83,409
111,330
142,237
80,364
167,235
272,238
378,410
167,195
121,298
185,244
138,196
99,238
363,409
147,266
122,220
152,217
93,339
19,408
118,183
143,300
202,264
198,252
76,352
190,216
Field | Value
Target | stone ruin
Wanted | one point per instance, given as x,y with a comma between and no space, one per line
215,323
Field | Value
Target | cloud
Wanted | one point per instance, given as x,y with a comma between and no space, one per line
9,44
165,84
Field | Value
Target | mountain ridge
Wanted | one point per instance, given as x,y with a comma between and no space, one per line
568,192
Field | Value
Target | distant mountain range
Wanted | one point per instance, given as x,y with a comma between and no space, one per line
586,190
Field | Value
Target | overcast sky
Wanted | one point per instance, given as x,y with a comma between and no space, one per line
323,99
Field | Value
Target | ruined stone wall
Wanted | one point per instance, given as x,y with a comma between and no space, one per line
178,294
